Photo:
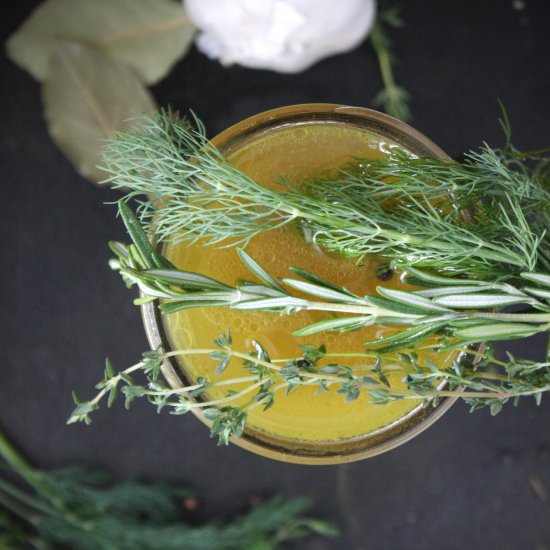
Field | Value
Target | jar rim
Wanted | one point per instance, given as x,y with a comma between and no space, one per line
262,443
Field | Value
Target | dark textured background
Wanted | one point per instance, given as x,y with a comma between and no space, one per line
469,481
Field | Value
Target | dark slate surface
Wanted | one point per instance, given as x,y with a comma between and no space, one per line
470,481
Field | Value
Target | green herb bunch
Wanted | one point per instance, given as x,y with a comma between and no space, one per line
77,508
471,235
476,217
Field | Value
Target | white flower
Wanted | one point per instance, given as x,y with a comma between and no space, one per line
283,35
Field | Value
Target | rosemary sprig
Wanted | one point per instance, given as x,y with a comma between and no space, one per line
451,306
393,99
75,508
195,193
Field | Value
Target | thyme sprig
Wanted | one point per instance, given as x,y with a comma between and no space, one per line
476,382
195,193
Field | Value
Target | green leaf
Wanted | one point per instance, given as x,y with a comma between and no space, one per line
438,279
88,98
119,249
323,292
479,301
405,338
148,36
447,290
315,279
136,232
109,370
538,292
172,307
161,262
259,271
269,303
339,324
211,414
409,298
259,290
185,279
541,278
496,331
321,527
398,307
81,412
222,364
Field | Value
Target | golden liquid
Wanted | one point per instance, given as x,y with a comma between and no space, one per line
296,153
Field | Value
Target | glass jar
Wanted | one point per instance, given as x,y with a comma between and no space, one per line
260,441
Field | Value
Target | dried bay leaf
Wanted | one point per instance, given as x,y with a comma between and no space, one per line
87,98
147,35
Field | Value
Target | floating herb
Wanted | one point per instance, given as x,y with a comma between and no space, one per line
423,227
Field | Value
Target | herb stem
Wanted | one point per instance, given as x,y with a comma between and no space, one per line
392,98
226,399
187,389
489,375
384,61
313,377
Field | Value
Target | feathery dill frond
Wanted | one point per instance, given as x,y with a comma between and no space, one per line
193,192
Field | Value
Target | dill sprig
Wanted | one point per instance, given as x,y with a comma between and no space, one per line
194,193
476,216
77,508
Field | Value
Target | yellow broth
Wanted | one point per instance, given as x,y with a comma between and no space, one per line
297,153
